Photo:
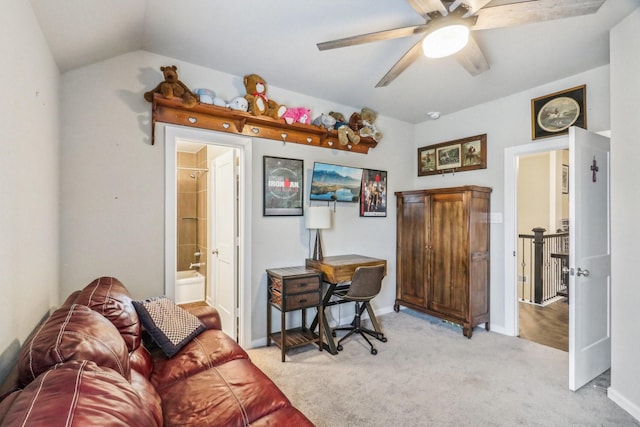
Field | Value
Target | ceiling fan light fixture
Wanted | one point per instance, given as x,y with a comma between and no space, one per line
445,40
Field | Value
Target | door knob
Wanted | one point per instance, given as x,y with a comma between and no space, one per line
582,272
565,270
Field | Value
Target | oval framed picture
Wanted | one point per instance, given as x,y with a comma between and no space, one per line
553,114
558,114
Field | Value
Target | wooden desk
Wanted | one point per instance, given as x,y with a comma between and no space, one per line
336,270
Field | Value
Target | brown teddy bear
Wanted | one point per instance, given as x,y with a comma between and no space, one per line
345,133
171,87
256,95
363,123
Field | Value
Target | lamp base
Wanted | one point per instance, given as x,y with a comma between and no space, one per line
317,250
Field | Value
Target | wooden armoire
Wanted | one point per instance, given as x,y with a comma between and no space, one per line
442,264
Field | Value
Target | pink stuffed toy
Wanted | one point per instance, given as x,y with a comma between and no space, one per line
297,115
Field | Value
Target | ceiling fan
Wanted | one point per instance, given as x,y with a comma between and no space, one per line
453,20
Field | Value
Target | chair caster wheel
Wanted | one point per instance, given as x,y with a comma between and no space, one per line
339,348
374,351
383,339
333,334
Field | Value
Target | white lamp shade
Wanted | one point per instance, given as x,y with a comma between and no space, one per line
445,41
318,217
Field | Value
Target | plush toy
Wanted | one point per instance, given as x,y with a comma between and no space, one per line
256,95
345,133
364,124
171,87
206,96
324,120
238,103
219,102
297,115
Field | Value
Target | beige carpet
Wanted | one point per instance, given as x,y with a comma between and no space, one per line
428,374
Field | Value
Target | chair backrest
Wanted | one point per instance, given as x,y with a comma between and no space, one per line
366,282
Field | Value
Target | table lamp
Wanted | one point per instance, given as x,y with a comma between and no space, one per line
318,218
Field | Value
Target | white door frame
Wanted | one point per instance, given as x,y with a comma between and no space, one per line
511,155
243,144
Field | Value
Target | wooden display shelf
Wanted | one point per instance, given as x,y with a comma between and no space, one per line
211,117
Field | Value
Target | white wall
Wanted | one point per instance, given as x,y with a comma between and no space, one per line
506,122
29,145
533,186
625,205
113,183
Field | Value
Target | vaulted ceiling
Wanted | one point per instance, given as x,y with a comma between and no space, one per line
277,39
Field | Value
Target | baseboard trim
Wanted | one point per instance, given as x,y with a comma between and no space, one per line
498,329
624,403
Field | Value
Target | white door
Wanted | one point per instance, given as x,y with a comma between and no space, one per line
223,252
589,257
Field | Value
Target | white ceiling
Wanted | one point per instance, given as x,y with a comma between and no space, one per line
277,39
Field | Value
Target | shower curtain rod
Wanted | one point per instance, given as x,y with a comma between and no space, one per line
192,169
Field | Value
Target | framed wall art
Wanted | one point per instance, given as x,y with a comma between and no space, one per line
373,196
458,155
335,183
283,186
565,179
552,115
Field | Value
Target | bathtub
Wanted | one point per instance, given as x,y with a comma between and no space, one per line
189,286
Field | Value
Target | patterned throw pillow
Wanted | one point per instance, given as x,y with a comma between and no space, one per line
170,326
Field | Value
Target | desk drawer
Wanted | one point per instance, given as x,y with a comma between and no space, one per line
296,285
301,284
298,301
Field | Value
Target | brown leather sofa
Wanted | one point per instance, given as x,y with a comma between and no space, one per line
86,366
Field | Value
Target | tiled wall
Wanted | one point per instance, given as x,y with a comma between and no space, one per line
201,208
186,212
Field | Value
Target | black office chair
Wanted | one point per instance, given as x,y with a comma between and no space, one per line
365,285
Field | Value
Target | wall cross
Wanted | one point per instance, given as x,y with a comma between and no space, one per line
594,168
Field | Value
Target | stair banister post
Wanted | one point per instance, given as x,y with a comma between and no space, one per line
538,247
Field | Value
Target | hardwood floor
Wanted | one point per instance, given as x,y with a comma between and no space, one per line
547,325
188,305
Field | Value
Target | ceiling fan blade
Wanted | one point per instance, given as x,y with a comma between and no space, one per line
407,59
472,58
472,6
533,11
373,37
424,7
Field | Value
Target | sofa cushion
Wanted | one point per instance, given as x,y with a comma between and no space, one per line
140,360
79,393
208,315
235,393
283,417
73,333
109,297
170,326
211,348
149,397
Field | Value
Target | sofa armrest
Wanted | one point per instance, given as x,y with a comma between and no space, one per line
207,315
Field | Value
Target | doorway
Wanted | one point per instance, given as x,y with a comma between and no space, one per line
542,248
589,249
511,159
216,143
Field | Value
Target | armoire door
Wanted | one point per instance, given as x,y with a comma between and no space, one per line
412,238
448,285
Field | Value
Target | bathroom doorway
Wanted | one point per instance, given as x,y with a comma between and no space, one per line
191,217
